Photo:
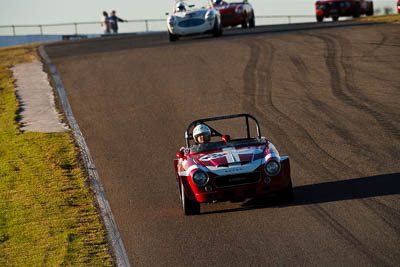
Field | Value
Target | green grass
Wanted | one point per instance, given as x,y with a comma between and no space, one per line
384,18
47,215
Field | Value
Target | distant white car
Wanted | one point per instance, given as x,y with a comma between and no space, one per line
192,18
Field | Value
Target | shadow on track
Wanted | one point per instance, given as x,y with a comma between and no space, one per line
357,188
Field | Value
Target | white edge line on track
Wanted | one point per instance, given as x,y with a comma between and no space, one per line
105,209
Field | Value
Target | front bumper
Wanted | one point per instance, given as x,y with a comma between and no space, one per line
265,186
207,26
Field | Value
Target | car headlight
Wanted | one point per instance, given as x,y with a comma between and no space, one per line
210,15
172,21
200,178
272,168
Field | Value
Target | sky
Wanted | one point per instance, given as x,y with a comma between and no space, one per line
27,12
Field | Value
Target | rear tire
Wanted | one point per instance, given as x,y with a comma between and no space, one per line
189,207
252,22
217,30
320,18
370,11
335,18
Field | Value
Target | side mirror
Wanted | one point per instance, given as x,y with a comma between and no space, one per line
180,154
226,138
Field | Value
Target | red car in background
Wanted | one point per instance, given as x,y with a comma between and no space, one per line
398,6
236,13
342,8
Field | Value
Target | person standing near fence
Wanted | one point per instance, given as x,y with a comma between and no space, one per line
105,22
114,22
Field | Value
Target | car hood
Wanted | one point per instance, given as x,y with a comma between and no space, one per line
228,8
191,14
231,160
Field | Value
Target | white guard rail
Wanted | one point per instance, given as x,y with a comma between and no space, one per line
145,25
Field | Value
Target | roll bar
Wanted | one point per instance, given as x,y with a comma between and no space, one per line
189,130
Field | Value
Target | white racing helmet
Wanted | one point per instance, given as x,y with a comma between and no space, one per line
201,129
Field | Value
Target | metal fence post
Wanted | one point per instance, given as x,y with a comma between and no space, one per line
147,25
76,28
289,19
41,29
13,29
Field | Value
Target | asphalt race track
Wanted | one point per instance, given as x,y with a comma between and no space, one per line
327,95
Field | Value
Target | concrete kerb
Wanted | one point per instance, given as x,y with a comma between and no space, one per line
105,209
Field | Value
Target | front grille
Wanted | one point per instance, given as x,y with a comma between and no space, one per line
237,179
191,23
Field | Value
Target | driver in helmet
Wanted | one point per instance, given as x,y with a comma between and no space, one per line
201,134
180,7
219,3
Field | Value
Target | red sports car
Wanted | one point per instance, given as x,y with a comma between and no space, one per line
220,168
398,6
236,13
342,8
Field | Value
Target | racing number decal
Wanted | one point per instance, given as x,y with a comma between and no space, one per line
213,156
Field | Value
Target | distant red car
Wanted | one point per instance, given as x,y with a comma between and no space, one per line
226,169
236,13
342,8
398,6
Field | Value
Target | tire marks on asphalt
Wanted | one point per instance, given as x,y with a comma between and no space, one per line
261,80
350,94
380,209
259,85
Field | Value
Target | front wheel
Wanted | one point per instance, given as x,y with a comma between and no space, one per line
172,37
189,207
320,18
287,194
335,18
244,22
357,11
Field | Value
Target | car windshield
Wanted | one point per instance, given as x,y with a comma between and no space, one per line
220,144
192,4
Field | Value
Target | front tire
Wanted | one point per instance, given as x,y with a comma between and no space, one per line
357,11
189,207
320,18
286,195
244,22
335,18
172,37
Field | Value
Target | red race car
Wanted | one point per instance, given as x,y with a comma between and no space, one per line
342,8
237,13
218,167
398,6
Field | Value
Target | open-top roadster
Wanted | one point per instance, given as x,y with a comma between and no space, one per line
236,13
192,18
220,168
